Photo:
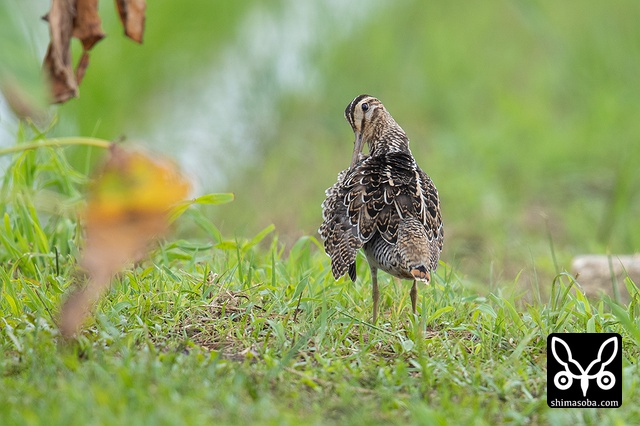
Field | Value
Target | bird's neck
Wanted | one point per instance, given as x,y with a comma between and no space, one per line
390,138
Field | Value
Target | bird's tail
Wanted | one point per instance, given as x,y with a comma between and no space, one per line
420,273
414,247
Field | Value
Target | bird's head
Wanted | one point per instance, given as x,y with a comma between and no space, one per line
368,118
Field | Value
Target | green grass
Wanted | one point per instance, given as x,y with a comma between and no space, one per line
250,331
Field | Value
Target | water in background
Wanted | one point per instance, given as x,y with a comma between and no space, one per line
212,123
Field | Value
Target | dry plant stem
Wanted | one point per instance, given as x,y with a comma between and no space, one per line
57,142
78,306
109,246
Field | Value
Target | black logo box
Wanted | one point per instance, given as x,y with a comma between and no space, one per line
584,369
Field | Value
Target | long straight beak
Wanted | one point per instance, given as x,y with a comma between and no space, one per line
357,148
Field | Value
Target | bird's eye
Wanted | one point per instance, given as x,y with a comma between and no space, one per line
365,107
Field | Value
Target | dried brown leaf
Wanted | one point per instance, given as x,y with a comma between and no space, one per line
57,62
67,19
82,66
80,19
132,15
76,308
87,24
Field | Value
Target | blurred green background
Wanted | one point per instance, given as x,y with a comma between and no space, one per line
526,114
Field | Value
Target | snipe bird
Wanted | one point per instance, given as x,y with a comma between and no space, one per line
383,203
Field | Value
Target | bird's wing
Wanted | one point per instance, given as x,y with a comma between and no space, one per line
419,221
341,241
428,206
385,189
374,196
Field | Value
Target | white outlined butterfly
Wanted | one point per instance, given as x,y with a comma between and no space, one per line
564,379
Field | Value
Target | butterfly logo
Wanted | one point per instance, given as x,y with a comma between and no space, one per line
564,379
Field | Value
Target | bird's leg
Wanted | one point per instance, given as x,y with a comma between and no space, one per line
414,296
374,291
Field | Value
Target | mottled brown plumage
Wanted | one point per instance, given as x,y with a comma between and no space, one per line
383,203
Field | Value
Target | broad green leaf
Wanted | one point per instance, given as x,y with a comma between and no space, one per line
227,245
259,237
437,314
486,309
210,199
222,198
630,324
631,287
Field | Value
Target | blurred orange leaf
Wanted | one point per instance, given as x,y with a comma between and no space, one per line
133,183
127,206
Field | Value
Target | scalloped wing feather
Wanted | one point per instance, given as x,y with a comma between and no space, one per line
374,197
